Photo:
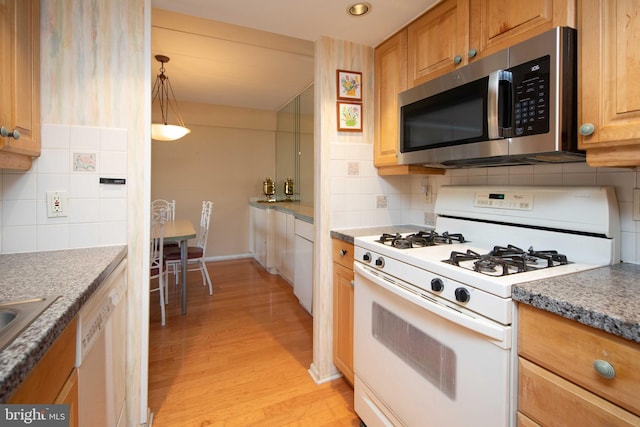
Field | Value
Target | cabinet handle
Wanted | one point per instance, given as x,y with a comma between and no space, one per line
457,59
4,132
604,369
352,283
472,53
587,129
343,252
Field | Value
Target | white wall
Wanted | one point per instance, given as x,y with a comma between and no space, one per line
355,198
96,213
95,98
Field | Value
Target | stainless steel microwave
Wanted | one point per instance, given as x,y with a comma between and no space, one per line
517,106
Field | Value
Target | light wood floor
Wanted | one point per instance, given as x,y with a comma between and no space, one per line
239,357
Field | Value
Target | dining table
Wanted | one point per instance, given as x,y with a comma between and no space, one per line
180,230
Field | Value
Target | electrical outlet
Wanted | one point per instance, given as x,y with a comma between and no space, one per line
636,204
56,204
428,194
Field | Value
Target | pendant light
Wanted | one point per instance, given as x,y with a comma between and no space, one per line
161,91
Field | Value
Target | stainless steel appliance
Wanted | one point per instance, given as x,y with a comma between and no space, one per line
434,322
517,106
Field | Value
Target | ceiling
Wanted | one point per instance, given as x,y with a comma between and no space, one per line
259,53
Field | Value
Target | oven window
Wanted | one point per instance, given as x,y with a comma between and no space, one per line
453,117
430,358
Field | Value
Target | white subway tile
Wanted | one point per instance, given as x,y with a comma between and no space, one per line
55,136
53,160
19,187
52,237
18,213
112,163
18,239
84,235
113,233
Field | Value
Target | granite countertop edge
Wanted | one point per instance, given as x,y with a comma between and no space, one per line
73,276
604,298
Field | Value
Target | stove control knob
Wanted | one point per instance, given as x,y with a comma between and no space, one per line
462,295
437,285
366,257
380,262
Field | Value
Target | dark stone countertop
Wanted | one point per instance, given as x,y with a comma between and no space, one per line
605,298
73,275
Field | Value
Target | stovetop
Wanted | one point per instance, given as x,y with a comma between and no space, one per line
480,265
488,238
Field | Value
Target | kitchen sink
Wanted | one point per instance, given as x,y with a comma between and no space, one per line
15,316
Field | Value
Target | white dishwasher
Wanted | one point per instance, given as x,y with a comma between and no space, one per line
101,353
303,263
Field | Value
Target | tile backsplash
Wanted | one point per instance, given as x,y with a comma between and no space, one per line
73,159
354,197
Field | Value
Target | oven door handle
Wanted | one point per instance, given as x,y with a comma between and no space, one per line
499,333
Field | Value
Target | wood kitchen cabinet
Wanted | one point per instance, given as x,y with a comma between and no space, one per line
438,41
556,372
343,307
390,79
20,82
609,90
54,379
390,65
455,32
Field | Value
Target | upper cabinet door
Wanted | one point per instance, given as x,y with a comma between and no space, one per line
609,88
20,81
498,24
438,41
390,80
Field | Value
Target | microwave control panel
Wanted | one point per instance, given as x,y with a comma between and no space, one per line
531,97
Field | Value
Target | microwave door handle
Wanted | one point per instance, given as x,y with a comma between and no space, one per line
499,104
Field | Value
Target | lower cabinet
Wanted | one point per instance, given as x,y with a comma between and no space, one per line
54,379
343,307
572,374
303,260
285,245
262,237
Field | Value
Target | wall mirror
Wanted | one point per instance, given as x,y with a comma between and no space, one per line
294,147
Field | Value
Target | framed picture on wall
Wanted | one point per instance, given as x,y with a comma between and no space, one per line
349,85
349,116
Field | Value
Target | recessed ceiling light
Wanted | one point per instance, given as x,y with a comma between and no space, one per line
359,9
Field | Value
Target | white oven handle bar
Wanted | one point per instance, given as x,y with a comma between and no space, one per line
499,333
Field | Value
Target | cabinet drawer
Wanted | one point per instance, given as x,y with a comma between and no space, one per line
569,349
550,401
343,253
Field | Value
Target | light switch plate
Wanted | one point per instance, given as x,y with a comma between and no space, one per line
636,204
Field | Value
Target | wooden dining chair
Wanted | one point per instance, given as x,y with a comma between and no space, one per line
157,262
196,253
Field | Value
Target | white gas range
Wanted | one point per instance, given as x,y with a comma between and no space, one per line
434,334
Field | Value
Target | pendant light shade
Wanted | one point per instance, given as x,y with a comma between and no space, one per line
163,93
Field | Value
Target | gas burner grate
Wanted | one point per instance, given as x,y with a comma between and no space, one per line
420,239
504,260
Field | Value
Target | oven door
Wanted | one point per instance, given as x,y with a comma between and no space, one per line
420,362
